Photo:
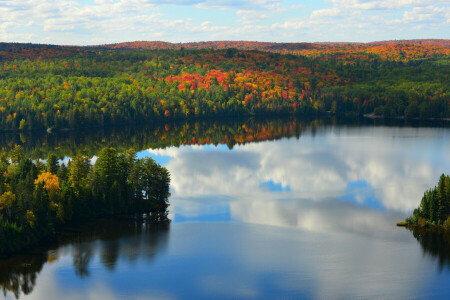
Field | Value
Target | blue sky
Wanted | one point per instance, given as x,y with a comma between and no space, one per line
87,22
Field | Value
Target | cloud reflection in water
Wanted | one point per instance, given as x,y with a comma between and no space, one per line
340,179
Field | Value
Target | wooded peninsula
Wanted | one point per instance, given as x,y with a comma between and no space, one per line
434,209
36,197
60,87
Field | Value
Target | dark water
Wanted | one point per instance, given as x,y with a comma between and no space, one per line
260,209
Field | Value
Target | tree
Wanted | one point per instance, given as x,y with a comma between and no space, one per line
106,179
51,182
442,199
52,163
155,181
412,111
434,206
425,205
78,171
17,154
7,202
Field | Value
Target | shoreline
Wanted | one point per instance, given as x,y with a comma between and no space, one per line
375,117
425,227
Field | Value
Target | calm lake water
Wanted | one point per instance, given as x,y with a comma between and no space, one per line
260,210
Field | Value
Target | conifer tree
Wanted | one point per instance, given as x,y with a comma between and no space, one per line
52,163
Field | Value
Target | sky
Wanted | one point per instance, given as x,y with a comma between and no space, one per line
90,22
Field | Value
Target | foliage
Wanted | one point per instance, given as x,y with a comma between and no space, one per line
51,182
434,208
399,49
36,201
99,88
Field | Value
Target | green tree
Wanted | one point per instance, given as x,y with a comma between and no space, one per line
78,171
52,163
442,199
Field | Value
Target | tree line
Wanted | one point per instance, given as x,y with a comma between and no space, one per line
38,197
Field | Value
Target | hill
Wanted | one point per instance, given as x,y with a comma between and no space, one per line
398,50
48,86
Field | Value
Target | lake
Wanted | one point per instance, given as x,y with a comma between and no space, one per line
260,209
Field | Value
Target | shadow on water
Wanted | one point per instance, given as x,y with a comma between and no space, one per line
109,240
435,243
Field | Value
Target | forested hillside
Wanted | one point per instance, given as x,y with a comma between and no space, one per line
44,86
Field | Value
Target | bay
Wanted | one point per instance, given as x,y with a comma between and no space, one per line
260,209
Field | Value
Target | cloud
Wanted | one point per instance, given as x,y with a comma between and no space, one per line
357,20
428,14
251,16
74,22
384,4
319,173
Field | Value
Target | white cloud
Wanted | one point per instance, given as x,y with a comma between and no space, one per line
317,172
251,16
385,4
329,12
428,14
72,22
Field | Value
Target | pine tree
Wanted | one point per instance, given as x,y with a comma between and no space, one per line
447,193
442,201
434,206
425,205
52,163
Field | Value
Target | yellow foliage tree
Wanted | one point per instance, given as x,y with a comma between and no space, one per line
30,217
7,201
51,181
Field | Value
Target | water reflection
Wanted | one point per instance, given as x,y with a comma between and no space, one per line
435,243
363,175
260,209
124,238
158,135
18,274
229,132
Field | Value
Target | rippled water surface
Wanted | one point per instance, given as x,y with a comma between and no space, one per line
259,209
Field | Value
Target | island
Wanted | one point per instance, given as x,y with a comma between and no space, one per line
434,209
38,197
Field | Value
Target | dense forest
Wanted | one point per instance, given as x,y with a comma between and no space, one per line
434,208
64,87
36,197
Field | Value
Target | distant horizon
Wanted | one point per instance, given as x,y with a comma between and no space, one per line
232,41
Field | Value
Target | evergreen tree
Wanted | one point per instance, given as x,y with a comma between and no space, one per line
441,196
52,163
434,206
425,205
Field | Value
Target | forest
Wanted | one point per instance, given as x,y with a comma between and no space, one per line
38,197
434,208
44,86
